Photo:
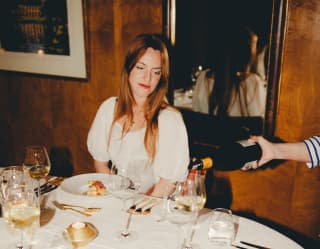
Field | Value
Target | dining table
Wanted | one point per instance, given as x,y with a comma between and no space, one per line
151,231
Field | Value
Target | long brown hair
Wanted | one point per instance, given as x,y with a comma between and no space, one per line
155,101
231,68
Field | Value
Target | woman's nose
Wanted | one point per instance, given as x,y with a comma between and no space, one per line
147,75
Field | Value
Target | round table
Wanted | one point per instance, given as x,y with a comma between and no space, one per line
150,232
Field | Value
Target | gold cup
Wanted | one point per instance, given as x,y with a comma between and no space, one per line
80,233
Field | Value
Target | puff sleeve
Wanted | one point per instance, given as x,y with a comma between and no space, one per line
97,140
172,157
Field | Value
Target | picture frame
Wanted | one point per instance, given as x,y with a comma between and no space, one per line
71,64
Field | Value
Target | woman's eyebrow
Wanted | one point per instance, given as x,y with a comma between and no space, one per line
156,68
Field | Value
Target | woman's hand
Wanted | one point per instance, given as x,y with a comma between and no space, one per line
162,188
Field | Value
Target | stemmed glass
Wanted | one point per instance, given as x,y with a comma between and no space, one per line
125,184
12,175
21,209
37,164
182,207
198,178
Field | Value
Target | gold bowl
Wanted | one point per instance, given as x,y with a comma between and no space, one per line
80,233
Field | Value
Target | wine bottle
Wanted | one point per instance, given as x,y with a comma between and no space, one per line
231,156
201,163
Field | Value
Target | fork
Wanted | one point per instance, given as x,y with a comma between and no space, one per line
86,209
62,207
55,181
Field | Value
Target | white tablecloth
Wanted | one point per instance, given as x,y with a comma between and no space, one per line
150,234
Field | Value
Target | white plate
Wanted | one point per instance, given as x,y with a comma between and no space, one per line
78,185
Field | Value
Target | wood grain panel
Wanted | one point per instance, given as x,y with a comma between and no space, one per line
299,111
6,154
57,111
288,196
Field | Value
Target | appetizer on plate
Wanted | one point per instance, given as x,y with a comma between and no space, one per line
96,188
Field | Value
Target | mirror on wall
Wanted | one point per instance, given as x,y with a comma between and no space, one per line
203,34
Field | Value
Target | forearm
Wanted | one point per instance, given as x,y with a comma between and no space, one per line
291,151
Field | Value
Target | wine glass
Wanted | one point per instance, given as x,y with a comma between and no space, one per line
37,164
21,210
182,207
198,177
125,184
10,176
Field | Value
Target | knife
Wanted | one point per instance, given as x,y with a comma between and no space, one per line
254,245
240,247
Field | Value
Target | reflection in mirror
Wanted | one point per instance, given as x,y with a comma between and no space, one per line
226,56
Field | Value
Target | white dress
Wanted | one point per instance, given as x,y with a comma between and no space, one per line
251,99
172,155
202,91
248,102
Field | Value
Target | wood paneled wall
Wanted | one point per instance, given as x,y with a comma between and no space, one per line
299,112
58,112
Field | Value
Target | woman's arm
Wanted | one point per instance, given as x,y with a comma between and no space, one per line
98,135
172,158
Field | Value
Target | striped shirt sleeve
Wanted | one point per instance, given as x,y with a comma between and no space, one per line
313,147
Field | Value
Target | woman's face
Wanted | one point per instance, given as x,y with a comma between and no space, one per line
146,74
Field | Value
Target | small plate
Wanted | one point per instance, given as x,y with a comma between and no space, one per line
78,185
80,233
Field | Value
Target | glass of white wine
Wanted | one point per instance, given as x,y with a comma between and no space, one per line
22,211
182,208
198,178
37,164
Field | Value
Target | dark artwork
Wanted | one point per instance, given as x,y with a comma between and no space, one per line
32,25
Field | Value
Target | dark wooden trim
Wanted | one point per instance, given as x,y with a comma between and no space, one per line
277,37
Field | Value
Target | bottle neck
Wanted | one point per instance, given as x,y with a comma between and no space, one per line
194,173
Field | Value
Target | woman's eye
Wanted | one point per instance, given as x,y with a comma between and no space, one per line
139,67
158,73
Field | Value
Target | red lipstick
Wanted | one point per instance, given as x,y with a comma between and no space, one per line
144,85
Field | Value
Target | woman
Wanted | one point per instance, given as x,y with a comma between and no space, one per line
237,90
139,124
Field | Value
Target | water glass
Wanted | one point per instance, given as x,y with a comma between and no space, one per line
221,227
10,176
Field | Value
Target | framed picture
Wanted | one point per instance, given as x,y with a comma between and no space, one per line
43,37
